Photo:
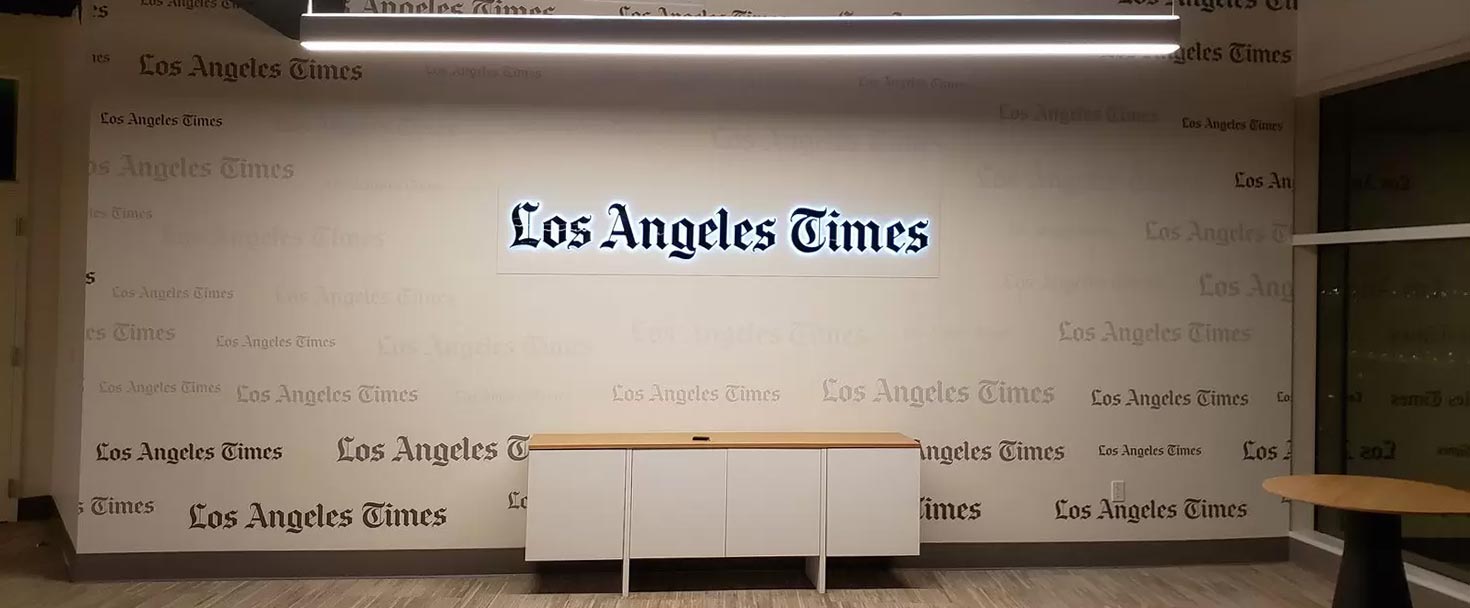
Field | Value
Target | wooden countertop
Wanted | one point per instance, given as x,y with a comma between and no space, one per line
657,441
1372,494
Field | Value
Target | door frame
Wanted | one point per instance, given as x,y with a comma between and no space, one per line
14,208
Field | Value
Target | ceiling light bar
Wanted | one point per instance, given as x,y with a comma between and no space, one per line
925,36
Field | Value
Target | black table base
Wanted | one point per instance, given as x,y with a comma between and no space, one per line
1371,574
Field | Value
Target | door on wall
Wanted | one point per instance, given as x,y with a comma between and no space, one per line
12,206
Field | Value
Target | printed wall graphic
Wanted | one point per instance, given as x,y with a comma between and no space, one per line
788,224
312,322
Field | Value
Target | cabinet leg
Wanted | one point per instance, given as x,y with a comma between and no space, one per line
816,566
816,570
627,517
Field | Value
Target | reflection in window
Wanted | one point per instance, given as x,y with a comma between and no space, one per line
1393,318
1397,154
1400,317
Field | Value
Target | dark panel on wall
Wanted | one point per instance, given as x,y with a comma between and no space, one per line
9,127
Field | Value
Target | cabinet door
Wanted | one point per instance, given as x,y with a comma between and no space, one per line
872,501
576,504
678,503
775,503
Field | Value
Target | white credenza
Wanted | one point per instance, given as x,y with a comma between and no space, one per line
627,496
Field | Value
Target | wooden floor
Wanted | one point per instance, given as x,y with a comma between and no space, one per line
32,575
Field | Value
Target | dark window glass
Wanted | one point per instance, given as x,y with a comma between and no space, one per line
1394,376
1393,319
9,127
1397,154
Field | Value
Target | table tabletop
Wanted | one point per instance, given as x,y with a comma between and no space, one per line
1372,494
594,441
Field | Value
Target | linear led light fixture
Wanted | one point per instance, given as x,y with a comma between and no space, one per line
898,36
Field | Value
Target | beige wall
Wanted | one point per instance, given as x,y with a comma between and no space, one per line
281,239
1345,43
70,294
43,51
28,48
1304,308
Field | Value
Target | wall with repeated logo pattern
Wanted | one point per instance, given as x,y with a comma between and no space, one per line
319,314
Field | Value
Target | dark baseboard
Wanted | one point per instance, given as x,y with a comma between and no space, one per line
296,564
35,508
1446,549
1101,554
1325,562
58,534
470,562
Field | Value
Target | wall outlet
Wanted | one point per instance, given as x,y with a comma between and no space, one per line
1118,493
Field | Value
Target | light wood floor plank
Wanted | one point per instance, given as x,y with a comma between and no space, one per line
34,576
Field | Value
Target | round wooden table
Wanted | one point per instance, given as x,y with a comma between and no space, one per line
1371,573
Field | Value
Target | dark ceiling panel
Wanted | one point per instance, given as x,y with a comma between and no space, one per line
45,8
285,15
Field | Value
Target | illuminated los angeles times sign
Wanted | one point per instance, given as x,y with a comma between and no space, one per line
808,230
